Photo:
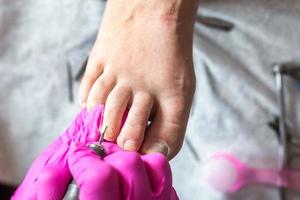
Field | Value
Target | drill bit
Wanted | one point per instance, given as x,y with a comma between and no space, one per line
102,135
98,147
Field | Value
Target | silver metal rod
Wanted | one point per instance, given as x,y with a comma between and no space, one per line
102,135
192,149
292,70
282,142
282,122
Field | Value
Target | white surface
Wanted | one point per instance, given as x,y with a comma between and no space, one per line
235,95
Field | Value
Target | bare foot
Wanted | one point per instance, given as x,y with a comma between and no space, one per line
142,60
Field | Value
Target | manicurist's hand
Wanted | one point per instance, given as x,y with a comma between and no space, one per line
142,61
120,175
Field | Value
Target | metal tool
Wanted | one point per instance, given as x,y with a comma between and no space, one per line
280,123
82,69
282,134
70,82
216,23
72,192
192,149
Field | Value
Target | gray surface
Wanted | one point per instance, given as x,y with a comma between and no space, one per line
235,95
37,40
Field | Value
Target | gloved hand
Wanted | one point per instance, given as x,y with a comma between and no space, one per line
120,175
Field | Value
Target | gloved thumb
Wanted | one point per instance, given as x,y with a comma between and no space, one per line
96,179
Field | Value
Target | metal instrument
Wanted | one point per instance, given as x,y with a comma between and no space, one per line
72,192
285,138
216,23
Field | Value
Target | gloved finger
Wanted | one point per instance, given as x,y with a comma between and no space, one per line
90,126
134,178
28,187
53,181
159,173
95,178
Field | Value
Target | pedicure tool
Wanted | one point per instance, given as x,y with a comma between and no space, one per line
70,82
72,192
82,69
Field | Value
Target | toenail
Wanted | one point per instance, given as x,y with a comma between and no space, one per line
158,147
130,145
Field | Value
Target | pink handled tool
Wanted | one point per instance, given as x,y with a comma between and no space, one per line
226,173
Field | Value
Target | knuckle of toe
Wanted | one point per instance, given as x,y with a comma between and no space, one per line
145,99
111,112
142,108
139,116
101,82
94,59
92,101
123,86
177,109
135,128
87,79
113,102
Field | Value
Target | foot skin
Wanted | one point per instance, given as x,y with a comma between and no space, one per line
142,61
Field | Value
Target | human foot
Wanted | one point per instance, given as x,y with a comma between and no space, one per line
142,60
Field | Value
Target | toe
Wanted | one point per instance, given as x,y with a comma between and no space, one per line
167,130
115,107
100,90
132,133
93,70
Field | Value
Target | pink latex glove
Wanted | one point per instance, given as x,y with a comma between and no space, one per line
121,175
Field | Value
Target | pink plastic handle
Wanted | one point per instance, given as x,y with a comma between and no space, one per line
240,175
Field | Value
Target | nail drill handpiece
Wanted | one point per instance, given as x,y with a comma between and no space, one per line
72,192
